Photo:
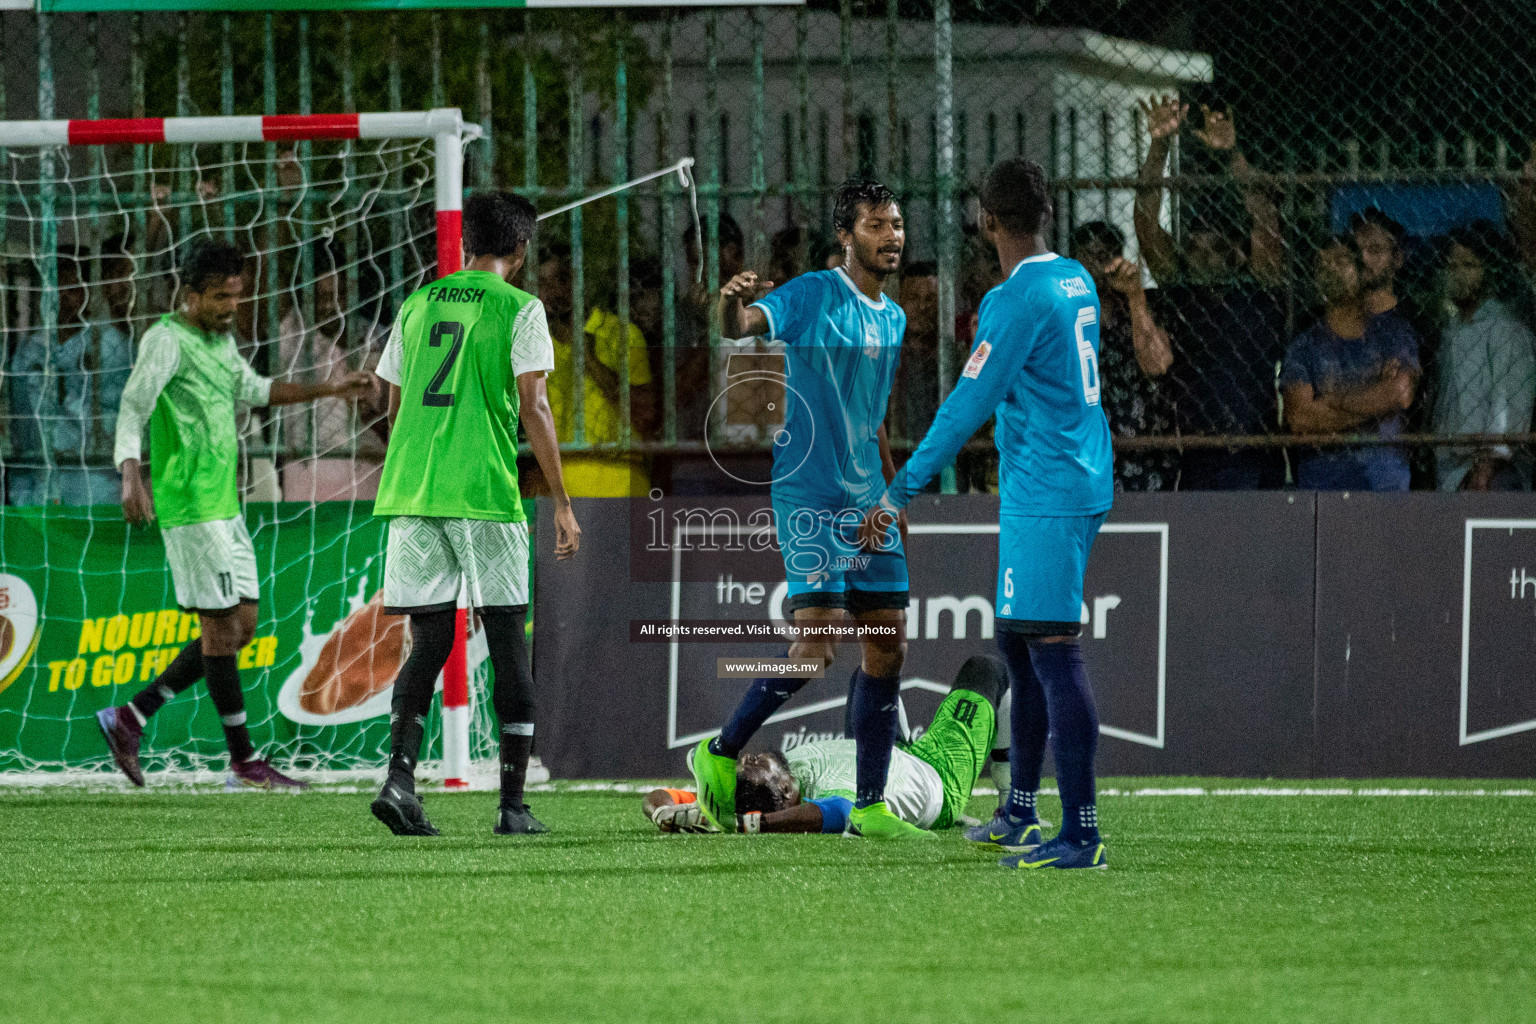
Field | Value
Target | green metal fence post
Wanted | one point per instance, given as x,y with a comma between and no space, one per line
140,153
712,180
95,160
306,296
436,100
943,60
530,146
757,257
803,95
621,216
183,154
227,108
668,240
845,82
393,181
348,170
574,169
484,170
48,226
270,258
892,108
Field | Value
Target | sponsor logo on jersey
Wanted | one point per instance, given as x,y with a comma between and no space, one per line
977,361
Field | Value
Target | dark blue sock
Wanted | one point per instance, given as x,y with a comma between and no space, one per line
874,728
1074,733
762,699
1028,726
853,682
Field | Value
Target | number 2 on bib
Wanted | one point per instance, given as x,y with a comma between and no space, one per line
434,395
1086,356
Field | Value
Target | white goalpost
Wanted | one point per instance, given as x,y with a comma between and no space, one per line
343,215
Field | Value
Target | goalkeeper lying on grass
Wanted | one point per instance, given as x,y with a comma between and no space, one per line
811,788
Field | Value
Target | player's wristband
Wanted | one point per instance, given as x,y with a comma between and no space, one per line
751,823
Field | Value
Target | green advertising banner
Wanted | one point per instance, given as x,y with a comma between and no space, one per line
88,617
63,6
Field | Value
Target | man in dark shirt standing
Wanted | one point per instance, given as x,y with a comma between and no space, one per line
1220,302
1351,372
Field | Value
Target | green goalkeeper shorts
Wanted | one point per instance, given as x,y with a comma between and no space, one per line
957,744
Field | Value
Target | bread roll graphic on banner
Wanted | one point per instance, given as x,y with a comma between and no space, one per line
359,660
347,673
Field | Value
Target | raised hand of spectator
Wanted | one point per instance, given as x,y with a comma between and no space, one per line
1220,131
1124,276
1164,114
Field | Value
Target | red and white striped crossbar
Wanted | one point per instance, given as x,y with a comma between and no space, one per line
411,124
445,125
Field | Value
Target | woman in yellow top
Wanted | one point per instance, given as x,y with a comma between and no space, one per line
616,473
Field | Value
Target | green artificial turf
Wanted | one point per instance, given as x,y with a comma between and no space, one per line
256,907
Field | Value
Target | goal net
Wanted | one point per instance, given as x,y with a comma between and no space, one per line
340,217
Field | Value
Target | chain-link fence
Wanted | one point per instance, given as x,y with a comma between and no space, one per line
1313,226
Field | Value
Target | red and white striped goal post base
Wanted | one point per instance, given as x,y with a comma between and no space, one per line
448,130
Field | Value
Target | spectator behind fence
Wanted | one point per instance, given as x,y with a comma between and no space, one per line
1487,367
337,455
612,474
1134,354
915,396
1522,213
1351,372
1378,241
70,394
1221,302
976,466
694,386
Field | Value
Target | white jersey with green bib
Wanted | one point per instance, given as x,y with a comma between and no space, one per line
913,790
188,385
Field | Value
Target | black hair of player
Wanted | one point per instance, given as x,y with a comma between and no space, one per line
763,783
1101,231
496,223
1017,194
210,261
922,268
853,194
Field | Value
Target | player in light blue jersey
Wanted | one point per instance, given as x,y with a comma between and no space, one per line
1035,365
842,341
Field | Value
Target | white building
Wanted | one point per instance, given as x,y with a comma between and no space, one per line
1064,97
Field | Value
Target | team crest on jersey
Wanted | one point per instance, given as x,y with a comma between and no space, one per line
872,343
977,361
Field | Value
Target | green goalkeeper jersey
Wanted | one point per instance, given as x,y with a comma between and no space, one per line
456,351
188,385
